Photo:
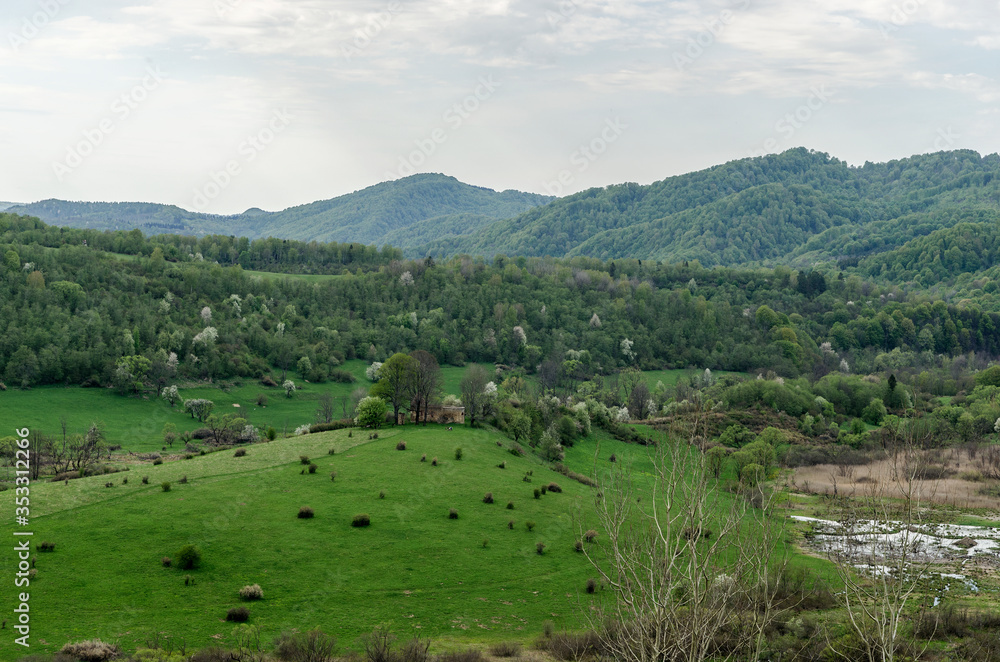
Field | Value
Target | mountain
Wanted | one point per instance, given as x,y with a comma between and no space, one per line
432,205
798,207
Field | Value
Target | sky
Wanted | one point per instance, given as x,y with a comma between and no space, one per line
223,105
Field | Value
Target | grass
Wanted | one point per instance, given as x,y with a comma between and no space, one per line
308,278
421,572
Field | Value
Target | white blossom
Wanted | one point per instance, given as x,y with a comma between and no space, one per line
280,330
490,390
406,278
520,336
372,372
172,361
302,429
843,366
206,314
595,321
627,349
620,413
207,337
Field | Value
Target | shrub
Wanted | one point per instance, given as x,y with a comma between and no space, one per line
578,546
434,462
590,536
145,480
333,475
510,524
271,433
458,453
488,498
540,547
510,505
166,561
46,546
452,513
305,512
188,580
109,484
189,456
238,615
486,542
304,459
613,458
312,646
502,465
165,486
544,489
261,400
506,649
381,494
423,458
188,557
240,452
252,592
183,480
332,451
361,520
567,646
313,468
157,461
92,650
401,446
529,525
554,487
591,585
538,493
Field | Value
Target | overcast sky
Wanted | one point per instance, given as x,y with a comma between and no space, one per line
222,105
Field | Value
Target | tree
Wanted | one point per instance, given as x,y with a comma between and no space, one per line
22,369
395,382
324,412
199,408
289,387
86,449
171,395
169,434
473,387
679,559
371,412
227,428
426,381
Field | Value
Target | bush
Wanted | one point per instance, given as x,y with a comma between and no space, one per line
381,494
510,524
540,547
261,400
145,480
334,425
252,592
238,615
342,376
240,452
189,456
506,649
333,475
591,586
538,493
304,459
554,487
502,465
590,536
166,561
423,458
313,468
165,486
401,446
613,458
452,513
332,451
434,462
566,646
530,525
188,557
488,498
312,646
92,650
109,484
486,543
157,461
545,489
305,512
510,505
361,520
183,480
458,453
578,545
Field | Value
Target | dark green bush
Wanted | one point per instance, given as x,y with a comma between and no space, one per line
188,557
361,520
305,512
238,615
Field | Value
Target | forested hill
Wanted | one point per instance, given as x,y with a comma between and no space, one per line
117,308
424,207
796,207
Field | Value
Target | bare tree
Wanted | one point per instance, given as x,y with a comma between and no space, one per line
426,383
324,412
879,552
473,390
685,562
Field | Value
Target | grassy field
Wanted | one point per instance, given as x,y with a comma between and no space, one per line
137,423
308,278
470,579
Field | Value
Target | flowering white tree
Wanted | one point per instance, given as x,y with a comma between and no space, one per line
206,314
520,336
373,371
406,279
170,395
172,361
289,387
627,349
207,337
595,321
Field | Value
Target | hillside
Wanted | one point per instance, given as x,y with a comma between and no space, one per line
798,207
433,205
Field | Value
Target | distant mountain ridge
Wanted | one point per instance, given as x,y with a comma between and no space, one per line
434,205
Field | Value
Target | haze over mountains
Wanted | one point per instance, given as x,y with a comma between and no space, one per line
799,207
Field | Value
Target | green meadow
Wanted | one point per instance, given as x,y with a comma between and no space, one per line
470,579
